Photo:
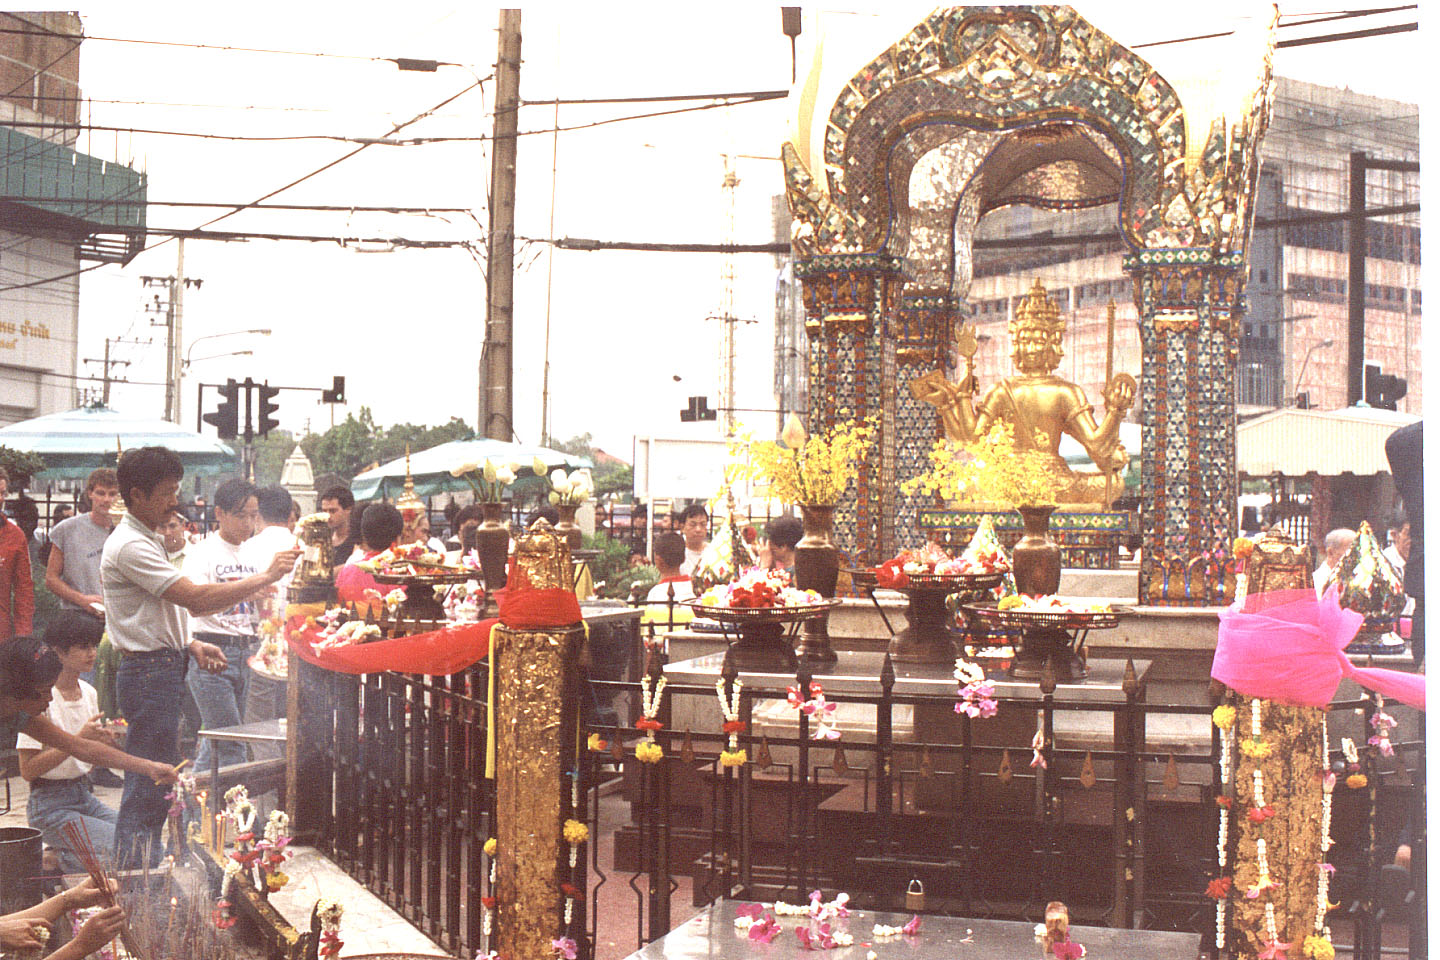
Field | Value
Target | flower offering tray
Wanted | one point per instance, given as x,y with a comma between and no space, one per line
762,638
1057,636
930,635
420,600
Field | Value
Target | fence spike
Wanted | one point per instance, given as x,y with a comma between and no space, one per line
687,748
762,756
1006,773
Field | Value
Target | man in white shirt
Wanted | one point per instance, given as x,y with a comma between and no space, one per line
219,558
264,697
695,527
144,599
1337,541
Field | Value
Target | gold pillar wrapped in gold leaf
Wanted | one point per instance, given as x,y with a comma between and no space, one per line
534,729
1275,806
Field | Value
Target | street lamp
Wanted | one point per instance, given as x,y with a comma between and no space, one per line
217,356
1322,345
264,332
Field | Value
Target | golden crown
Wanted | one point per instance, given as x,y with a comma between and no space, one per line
1037,312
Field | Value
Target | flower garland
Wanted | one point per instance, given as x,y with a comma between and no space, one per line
487,903
648,750
817,708
882,931
1383,723
1318,945
329,913
977,694
1356,780
734,756
817,933
1224,718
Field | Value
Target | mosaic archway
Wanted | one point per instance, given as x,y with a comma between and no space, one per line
977,108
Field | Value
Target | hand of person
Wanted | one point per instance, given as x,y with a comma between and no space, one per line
94,729
208,657
101,929
282,563
162,773
89,599
87,894
18,933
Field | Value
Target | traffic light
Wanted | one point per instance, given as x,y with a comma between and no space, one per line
268,407
699,409
226,418
1383,390
336,393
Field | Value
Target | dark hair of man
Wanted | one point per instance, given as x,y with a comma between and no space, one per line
694,510
670,547
101,477
784,532
274,502
62,512
28,667
380,526
546,510
74,628
231,495
340,495
145,468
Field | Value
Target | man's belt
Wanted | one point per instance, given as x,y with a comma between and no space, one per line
224,639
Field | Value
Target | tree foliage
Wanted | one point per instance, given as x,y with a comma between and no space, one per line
613,481
350,447
20,465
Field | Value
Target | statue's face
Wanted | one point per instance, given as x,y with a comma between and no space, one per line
1035,351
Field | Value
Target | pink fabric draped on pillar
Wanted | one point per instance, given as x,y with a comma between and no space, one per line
1288,647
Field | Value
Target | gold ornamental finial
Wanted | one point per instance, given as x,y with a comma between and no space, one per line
408,502
117,506
1038,312
544,558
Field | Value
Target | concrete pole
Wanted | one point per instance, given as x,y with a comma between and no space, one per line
177,310
497,360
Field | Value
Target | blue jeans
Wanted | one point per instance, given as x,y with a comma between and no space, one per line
221,698
54,803
151,690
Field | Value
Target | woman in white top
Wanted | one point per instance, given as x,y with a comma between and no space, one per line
60,788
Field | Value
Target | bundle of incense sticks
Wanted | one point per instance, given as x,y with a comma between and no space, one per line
78,837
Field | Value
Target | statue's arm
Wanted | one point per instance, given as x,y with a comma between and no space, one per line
1100,440
955,406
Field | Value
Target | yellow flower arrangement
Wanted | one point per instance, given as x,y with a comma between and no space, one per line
1223,716
992,468
490,847
814,469
732,758
648,751
1255,749
576,832
1319,948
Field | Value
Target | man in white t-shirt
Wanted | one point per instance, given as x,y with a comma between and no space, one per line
1337,542
695,527
219,559
265,697
60,788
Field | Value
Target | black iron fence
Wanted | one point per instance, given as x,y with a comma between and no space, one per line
1123,832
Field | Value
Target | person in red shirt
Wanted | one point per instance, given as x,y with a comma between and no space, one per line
17,581
380,526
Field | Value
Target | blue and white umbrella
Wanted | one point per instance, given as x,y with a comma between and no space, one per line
74,442
431,468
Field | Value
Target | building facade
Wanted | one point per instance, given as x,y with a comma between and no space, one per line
59,211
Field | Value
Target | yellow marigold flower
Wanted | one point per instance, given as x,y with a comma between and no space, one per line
1319,948
648,751
1242,547
490,847
1010,602
576,832
1356,781
732,758
595,743
276,880
1255,749
1223,716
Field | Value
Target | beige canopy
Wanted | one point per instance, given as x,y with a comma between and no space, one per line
1325,442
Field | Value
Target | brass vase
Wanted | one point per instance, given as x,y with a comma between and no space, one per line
1036,557
566,526
817,567
492,542
1036,561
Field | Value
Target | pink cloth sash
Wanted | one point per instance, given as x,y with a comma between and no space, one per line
1288,647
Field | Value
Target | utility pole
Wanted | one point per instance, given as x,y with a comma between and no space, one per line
727,304
171,310
107,363
497,358
1358,238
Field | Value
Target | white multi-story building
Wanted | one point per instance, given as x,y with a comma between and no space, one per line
59,210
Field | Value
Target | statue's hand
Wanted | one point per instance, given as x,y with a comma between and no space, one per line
934,389
1120,394
1119,460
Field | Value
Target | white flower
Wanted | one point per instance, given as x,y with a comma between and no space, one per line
458,471
489,471
537,466
504,475
793,435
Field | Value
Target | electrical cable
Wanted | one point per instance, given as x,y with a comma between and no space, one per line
229,49
309,207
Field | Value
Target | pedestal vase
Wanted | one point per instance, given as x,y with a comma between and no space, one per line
817,567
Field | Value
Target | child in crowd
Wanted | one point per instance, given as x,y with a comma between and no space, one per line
60,787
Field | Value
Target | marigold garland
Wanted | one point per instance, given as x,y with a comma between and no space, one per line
1319,948
576,832
648,751
733,758
1357,781
1223,716
1255,749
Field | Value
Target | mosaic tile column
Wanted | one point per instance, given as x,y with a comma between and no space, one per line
848,300
1189,304
924,334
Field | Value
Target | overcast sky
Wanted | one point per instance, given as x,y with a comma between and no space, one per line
405,328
